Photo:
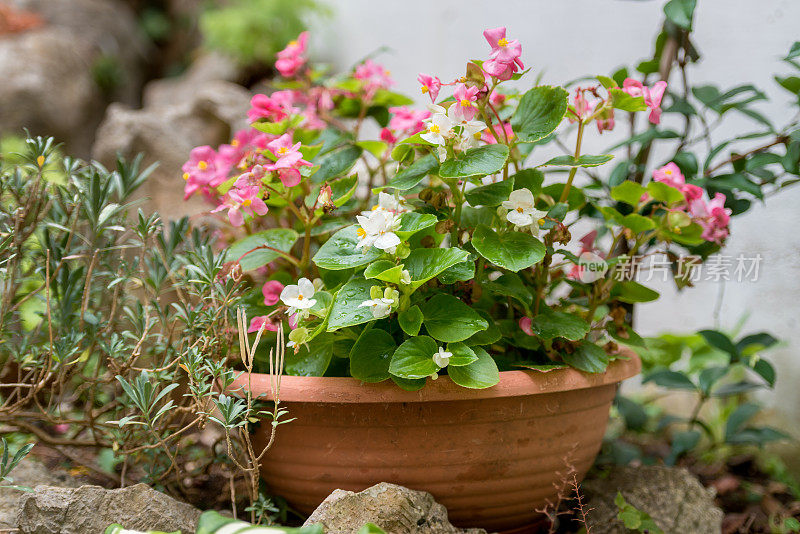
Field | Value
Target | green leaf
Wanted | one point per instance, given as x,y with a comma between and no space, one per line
631,292
410,320
582,161
409,384
680,12
376,148
384,270
628,192
511,285
462,354
414,173
481,373
460,272
414,358
625,102
587,357
539,113
341,191
530,179
312,359
720,341
606,82
790,83
345,310
370,528
412,222
709,376
794,51
339,252
638,223
663,192
425,263
766,371
491,194
549,324
512,250
480,161
682,442
371,355
282,239
488,336
448,319
336,163
670,379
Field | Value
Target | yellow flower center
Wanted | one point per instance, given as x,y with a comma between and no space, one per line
434,128
202,165
520,210
299,297
540,222
465,103
246,202
235,142
476,135
283,150
361,233
424,89
40,161
668,172
502,42
292,43
186,176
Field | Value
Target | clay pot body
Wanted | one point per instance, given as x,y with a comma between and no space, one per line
491,456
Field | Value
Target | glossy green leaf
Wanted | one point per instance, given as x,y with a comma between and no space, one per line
385,270
336,163
480,161
414,358
371,355
549,324
282,239
625,102
462,354
539,113
460,272
410,320
670,379
512,250
425,263
585,160
628,192
480,374
630,291
414,173
412,222
447,318
491,194
345,310
339,252
637,223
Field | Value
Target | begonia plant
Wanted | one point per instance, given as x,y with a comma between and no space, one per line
457,243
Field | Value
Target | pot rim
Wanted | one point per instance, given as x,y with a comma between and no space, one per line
348,390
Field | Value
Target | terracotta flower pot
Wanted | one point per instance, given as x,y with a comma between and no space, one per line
491,456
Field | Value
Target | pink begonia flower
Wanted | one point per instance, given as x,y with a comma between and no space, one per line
504,59
243,199
272,292
374,76
582,108
244,142
291,59
497,99
587,245
202,171
713,216
262,322
525,325
430,85
408,120
652,96
274,107
488,138
388,137
464,107
670,174
289,159
605,120
691,192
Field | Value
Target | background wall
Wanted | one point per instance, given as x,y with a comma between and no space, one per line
740,41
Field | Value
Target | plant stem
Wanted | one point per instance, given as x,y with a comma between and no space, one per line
573,170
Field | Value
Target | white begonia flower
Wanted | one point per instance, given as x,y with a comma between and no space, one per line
299,297
439,128
442,152
521,211
377,230
442,357
405,277
381,307
391,203
470,130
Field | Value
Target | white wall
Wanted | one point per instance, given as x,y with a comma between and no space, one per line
740,40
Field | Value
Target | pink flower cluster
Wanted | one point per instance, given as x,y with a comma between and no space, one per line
281,105
652,95
504,59
711,215
373,76
405,122
208,168
292,58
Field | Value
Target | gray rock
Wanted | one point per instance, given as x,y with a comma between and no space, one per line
394,508
49,72
29,473
90,509
206,68
167,130
674,498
